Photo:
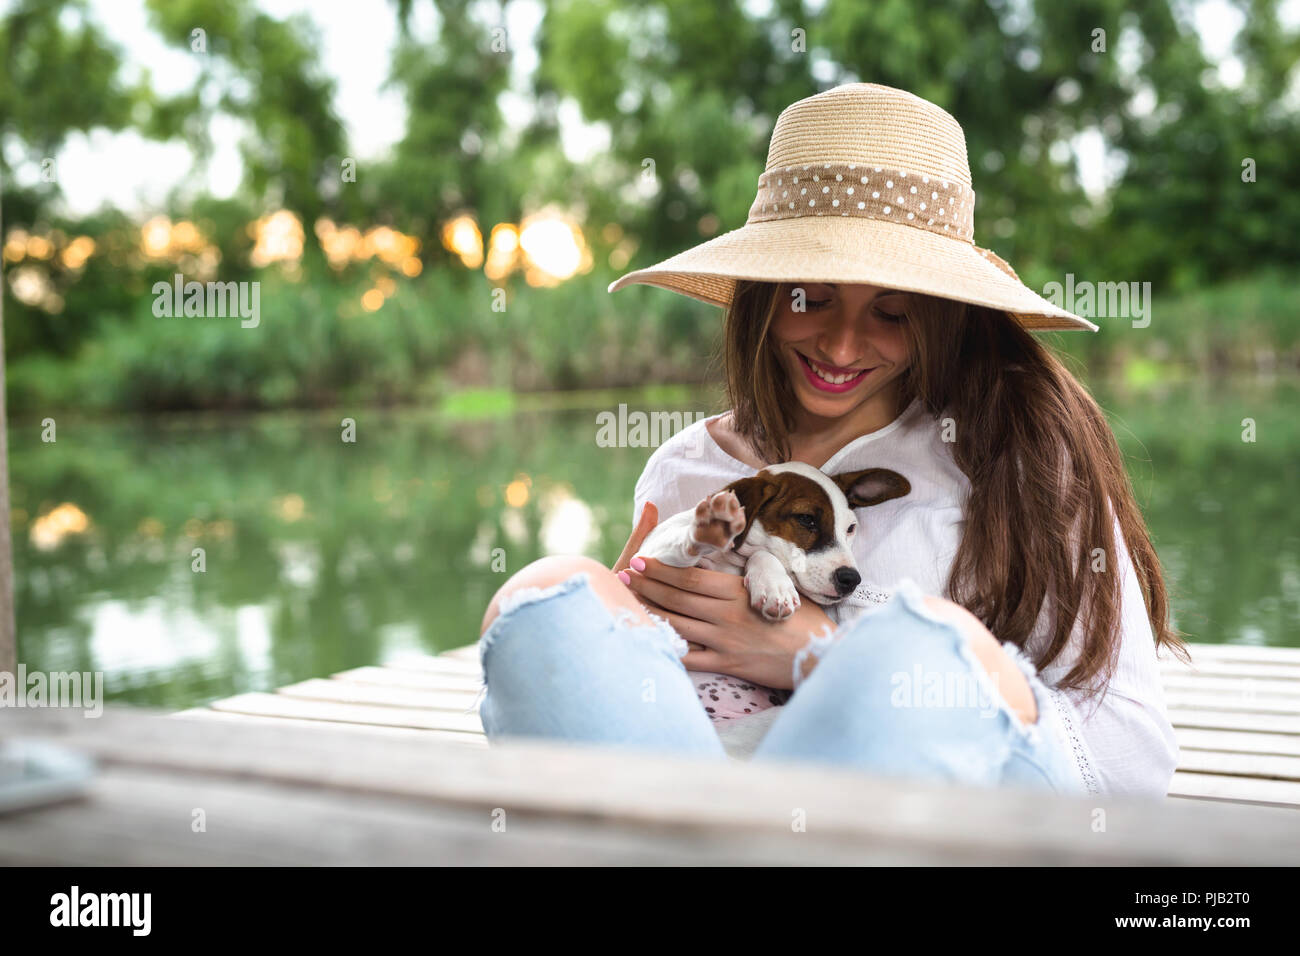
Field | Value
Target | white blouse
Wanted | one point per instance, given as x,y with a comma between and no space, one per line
1122,740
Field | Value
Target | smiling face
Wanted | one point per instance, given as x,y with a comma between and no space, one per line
846,349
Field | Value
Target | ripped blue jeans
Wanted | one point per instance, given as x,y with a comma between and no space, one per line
897,691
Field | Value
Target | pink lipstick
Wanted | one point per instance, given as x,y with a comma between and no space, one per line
811,370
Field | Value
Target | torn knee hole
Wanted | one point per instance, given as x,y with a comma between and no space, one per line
663,629
626,617
818,645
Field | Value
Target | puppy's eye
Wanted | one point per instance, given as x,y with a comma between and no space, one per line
808,521
852,528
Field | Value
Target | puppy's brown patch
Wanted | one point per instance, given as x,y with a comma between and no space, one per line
779,500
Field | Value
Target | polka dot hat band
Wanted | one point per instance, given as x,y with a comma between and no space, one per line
847,189
864,184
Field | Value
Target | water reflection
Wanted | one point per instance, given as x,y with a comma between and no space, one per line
319,555
49,530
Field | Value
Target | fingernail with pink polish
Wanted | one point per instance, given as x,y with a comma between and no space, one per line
638,564
625,577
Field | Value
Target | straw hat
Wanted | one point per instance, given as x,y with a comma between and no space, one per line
864,184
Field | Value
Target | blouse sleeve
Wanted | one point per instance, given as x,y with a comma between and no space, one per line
663,481
1122,738
649,487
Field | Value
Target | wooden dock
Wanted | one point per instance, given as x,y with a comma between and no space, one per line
1236,713
388,765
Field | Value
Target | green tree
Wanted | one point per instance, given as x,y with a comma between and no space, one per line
697,87
265,72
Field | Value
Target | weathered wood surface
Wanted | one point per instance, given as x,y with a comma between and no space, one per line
275,792
1236,712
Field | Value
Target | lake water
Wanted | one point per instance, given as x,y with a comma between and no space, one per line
319,555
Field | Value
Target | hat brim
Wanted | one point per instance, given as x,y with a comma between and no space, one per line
851,250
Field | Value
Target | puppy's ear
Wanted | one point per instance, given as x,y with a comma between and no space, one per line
871,486
754,494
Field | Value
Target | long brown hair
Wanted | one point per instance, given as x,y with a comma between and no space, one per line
1040,456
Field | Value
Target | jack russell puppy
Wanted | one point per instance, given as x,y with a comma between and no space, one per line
788,530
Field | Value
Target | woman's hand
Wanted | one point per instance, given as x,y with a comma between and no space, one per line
710,609
644,525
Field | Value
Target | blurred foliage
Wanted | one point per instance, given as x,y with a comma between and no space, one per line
1247,324
56,77
316,346
263,71
688,92
696,87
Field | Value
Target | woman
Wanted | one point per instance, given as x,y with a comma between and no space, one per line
909,351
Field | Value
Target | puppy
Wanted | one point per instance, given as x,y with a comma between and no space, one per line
788,530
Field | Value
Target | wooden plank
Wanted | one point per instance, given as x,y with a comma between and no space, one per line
434,665
382,695
1238,719
1231,741
415,680
1228,720
1188,737
1213,668
1249,687
278,705
448,737
1246,653
1243,790
130,819
1236,703
1259,766
736,804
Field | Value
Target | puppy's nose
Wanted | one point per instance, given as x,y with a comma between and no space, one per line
846,579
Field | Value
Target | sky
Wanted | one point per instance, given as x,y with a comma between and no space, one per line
134,174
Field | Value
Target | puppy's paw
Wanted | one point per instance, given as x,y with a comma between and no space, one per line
718,519
771,596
